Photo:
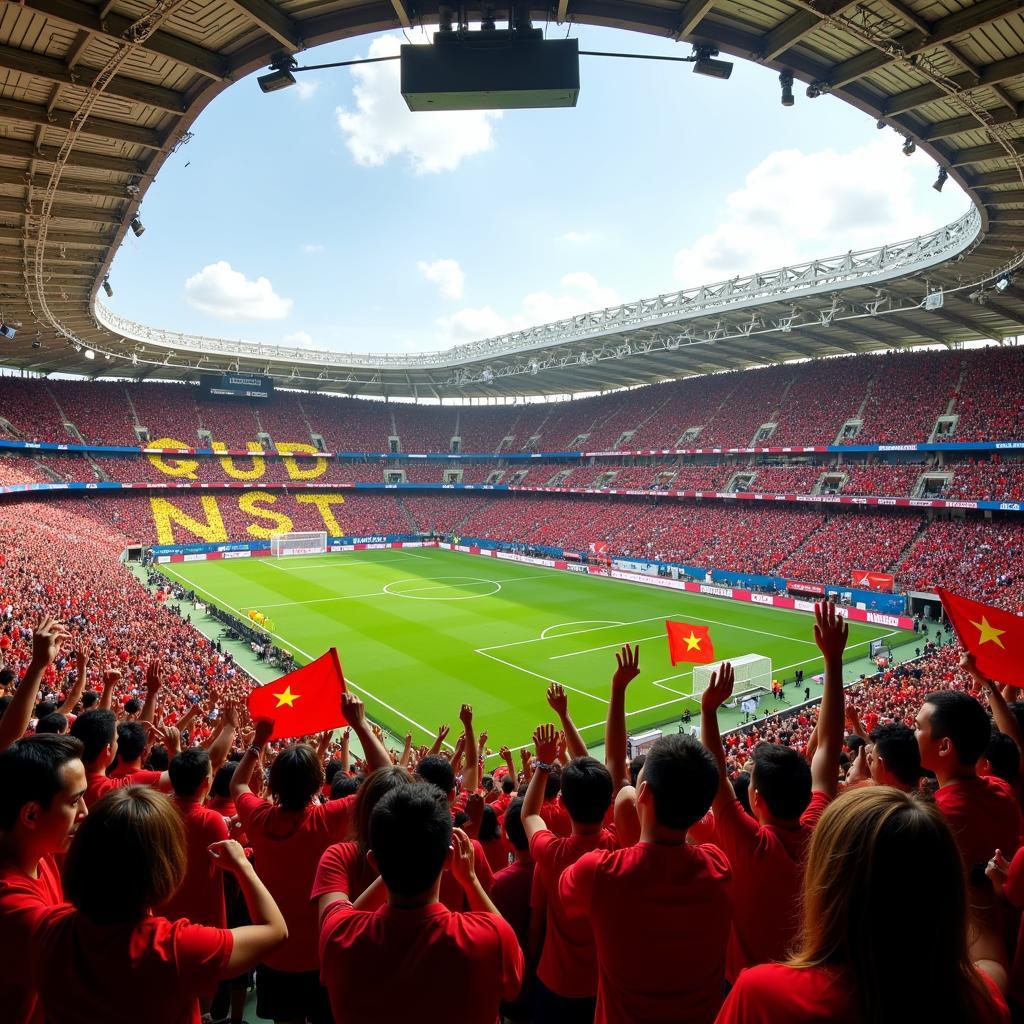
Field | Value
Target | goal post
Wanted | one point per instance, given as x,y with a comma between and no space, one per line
753,676
313,542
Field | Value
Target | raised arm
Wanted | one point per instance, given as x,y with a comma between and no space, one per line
221,746
627,669
471,775
111,677
545,741
464,871
46,643
81,670
346,756
375,754
250,759
435,747
154,679
718,692
830,633
1006,721
251,942
560,705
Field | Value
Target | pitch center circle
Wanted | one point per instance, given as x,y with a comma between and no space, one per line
432,588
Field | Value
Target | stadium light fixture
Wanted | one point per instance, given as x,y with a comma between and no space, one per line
786,81
7,330
705,64
107,288
814,90
941,179
879,124
909,146
280,75
1003,283
89,354
137,226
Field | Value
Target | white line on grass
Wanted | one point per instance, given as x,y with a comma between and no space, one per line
579,622
298,650
547,679
339,564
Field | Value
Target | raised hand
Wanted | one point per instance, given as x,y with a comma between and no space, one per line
475,811
353,709
461,862
545,742
557,700
466,715
154,676
82,660
228,855
442,733
830,630
264,730
719,689
627,666
47,639
998,871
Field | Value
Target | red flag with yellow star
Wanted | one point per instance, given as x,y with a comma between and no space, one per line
994,637
689,643
305,701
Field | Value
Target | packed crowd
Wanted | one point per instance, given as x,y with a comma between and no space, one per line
161,853
895,399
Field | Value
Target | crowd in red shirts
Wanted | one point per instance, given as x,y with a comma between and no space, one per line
795,404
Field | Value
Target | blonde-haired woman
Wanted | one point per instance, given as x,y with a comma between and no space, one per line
884,936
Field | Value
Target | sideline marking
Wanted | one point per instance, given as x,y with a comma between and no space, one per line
578,622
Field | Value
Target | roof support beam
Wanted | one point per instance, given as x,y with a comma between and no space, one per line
30,113
798,25
990,74
80,14
49,69
78,238
71,186
9,204
967,123
77,158
692,15
915,330
273,21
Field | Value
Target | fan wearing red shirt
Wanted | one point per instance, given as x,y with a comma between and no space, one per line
107,957
414,940
200,897
42,803
673,969
893,757
511,895
288,835
766,852
567,969
872,847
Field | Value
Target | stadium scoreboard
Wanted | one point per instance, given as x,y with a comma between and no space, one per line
241,385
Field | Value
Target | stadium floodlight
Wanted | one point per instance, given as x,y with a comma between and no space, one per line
879,124
705,64
909,146
137,226
786,81
941,179
1003,283
814,90
6,330
107,288
280,75
89,354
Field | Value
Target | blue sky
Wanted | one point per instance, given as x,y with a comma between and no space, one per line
329,215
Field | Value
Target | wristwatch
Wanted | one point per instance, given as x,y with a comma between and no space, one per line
542,766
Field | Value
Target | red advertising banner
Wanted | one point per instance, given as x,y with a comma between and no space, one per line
867,579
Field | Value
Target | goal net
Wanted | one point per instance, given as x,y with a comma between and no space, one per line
753,676
313,542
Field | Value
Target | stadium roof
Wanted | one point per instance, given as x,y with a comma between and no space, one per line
95,96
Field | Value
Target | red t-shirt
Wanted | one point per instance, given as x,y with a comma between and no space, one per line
154,969
200,898
511,895
768,872
460,966
676,901
23,902
809,995
99,785
342,868
984,815
568,961
287,846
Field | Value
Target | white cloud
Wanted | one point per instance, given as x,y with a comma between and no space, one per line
306,89
382,126
313,247
578,237
796,206
221,291
446,274
301,339
580,293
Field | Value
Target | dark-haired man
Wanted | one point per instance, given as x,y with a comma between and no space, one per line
676,894
415,940
567,969
787,797
42,803
201,895
893,757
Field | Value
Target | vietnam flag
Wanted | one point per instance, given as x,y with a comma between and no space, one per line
994,637
305,701
689,643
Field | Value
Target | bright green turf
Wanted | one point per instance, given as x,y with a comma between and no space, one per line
457,637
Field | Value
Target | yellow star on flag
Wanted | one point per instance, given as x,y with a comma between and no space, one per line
692,642
287,697
988,632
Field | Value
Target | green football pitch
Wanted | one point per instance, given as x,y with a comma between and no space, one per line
420,632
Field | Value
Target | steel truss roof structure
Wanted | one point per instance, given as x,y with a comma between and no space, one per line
94,97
